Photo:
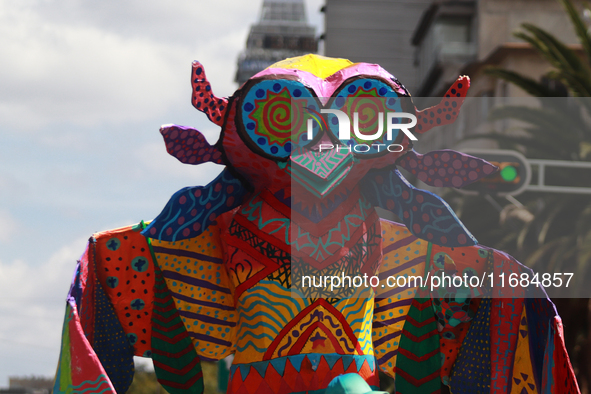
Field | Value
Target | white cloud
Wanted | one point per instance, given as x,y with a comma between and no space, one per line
79,75
110,61
32,302
8,226
85,86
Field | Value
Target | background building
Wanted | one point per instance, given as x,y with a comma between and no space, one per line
281,32
464,37
375,31
427,44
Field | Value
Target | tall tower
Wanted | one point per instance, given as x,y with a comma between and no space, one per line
281,32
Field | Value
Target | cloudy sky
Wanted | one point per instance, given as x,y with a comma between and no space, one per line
84,87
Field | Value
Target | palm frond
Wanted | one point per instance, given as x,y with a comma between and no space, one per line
530,85
553,123
579,27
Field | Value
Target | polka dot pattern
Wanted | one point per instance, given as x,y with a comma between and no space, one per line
189,146
446,168
203,98
200,289
425,214
111,344
192,209
447,110
127,275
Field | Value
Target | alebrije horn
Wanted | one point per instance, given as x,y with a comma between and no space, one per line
447,110
203,98
189,146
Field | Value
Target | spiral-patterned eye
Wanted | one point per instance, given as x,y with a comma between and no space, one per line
367,103
273,117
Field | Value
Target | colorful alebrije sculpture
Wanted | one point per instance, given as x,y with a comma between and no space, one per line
219,271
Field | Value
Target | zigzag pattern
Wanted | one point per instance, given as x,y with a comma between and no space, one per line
299,374
176,363
418,362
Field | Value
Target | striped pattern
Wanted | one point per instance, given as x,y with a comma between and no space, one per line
200,288
404,255
176,363
357,311
419,361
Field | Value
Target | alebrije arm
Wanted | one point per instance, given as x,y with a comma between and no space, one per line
446,168
447,110
189,146
192,209
426,215
203,98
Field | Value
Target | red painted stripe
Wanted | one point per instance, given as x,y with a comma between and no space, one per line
176,371
421,306
168,328
173,340
331,309
417,324
421,338
183,386
416,358
172,355
261,234
417,382
164,320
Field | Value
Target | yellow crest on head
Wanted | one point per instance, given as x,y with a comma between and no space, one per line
317,65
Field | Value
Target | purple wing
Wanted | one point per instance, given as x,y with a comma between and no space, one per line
189,145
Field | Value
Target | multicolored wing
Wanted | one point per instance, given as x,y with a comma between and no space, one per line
499,342
95,352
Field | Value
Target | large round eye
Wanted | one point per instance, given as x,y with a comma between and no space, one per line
369,104
273,117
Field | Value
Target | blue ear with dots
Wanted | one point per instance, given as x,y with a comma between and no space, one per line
274,117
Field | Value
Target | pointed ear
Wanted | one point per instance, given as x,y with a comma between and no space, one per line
446,168
426,215
189,146
203,98
447,110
